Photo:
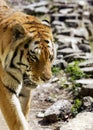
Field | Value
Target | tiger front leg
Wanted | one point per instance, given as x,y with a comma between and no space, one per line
11,109
25,100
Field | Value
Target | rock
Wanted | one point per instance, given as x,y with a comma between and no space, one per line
66,51
87,63
67,39
87,90
54,79
59,26
37,7
89,26
75,22
81,32
42,9
60,109
60,63
83,121
85,81
88,103
84,48
58,17
59,57
40,115
88,70
63,46
71,16
66,32
77,56
66,10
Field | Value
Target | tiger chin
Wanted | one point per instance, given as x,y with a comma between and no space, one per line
26,55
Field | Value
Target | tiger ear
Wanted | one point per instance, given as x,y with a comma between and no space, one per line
46,20
18,31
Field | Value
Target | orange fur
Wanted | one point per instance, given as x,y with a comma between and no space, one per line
25,34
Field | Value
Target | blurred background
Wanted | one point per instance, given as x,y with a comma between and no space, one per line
70,91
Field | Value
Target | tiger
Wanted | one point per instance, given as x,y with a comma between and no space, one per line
26,57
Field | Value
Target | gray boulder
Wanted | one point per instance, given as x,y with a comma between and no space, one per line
60,109
83,121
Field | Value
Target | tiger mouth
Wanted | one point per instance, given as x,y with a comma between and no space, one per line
28,82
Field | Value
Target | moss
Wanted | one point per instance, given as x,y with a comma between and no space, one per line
76,107
56,70
74,71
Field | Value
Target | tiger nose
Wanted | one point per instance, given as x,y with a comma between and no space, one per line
46,77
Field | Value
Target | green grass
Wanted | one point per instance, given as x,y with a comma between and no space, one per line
74,71
76,107
55,70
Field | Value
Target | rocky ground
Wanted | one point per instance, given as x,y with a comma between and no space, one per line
66,101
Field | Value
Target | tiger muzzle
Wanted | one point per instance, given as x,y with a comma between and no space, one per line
46,76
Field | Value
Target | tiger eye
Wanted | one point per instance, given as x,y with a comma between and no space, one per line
26,46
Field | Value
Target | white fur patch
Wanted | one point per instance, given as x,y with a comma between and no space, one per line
19,89
20,117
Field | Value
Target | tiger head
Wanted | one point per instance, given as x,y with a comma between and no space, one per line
36,50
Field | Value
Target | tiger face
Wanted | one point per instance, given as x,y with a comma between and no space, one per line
36,53
40,57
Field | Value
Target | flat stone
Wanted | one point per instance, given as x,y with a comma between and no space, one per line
60,63
83,121
37,7
72,22
40,115
89,26
81,32
38,4
42,9
66,32
56,22
87,102
87,63
87,90
88,70
67,39
66,51
61,108
76,56
66,10
85,81
84,48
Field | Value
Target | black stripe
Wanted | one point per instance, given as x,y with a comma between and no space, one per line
12,65
36,48
5,27
32,31
6,58
14,55
29,22
10,89
14,92
36,42
46,41
22,95
21,55
14,77
32,52
20,63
